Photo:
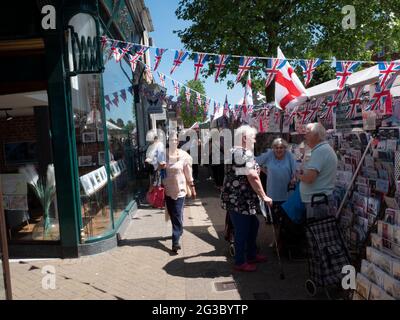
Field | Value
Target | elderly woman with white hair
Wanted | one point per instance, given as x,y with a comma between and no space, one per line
319,174
240,197
280,167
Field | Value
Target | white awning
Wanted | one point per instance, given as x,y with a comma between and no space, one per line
364,77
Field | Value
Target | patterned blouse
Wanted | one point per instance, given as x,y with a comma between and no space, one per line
237,194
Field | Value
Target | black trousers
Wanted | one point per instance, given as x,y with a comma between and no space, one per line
218,174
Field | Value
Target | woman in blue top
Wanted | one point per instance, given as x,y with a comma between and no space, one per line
280,167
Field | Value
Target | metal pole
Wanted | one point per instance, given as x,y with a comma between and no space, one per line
4,249
354,178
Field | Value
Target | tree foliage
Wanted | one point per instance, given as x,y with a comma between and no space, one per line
301,28
192,112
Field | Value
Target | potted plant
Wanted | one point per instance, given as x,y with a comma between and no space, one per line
45,190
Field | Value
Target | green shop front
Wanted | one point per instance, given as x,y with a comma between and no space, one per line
70,164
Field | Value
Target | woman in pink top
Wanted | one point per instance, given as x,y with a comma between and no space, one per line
178,175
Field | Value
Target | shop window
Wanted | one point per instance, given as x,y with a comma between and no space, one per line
27,173
90,146
120,113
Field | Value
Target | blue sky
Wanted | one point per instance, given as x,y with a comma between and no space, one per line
165,21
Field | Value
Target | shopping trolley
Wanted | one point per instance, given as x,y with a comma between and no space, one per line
326,249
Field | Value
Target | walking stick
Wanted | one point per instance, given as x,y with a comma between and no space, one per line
338,213
264,212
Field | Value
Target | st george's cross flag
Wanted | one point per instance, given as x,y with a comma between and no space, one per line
158,56
180,56
220,63
308,67
289,91
199,60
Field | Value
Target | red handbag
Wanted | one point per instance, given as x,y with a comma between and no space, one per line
156,197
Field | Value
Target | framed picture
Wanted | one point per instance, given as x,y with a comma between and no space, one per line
100,134
87,184
88,137
101,158
85,161
97,177
92,180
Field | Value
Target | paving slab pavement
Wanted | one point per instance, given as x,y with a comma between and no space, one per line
143,266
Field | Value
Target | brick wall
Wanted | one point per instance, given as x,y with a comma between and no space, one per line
18,129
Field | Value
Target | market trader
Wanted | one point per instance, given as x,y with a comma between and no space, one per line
319,174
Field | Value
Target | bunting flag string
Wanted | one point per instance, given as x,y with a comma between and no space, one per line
123,94
176,87
344,68
241,56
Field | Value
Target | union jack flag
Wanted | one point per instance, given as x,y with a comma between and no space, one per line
292,115
199,60
158,56
103,41
123,95
130,89
114,51
244,65
177,87
187,94
344,69
220,64
354,102
115,100
386,71
207,106
133,59
305,114
309,67
332,103
273,65
123,52
162,78
381,100
180,56
149,73
108,104
315,106
198,99
226,106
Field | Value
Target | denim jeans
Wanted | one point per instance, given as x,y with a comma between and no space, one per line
245,233
175,210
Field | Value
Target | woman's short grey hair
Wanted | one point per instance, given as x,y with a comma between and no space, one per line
279,141
317,129
244,131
